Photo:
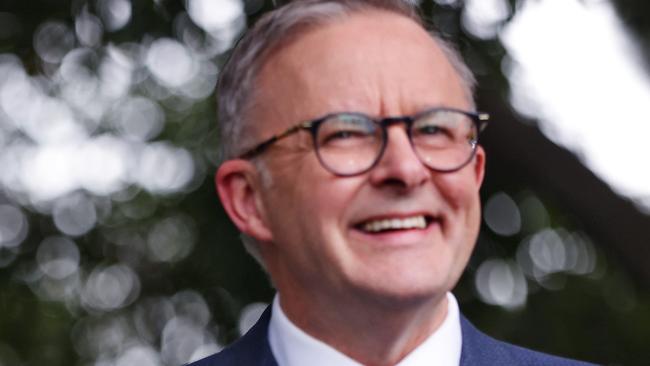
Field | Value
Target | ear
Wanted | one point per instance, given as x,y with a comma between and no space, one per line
479,165
238,186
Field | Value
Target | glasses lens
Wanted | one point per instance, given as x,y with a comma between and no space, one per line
444,139
348,143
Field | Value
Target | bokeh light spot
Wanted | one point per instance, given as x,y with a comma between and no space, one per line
53,40
215,15
171,239
191,305
110,288
58,257
101,164
138,118
116,73
170,62
502,283
13,226
47,172
547,251
89,29
74,215
115,14
483,18
556,251
502,215
163,168
151,315
180,339
534,215
139,355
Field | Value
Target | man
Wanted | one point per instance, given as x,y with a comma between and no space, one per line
352,168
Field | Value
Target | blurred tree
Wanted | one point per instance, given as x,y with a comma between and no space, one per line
113,249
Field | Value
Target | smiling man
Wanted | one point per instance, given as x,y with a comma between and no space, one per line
352,168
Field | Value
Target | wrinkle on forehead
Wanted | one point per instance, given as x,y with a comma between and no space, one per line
374,62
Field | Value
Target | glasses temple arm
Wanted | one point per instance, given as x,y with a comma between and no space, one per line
264,145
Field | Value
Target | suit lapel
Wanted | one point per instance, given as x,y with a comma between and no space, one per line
252,349
256,344
478,349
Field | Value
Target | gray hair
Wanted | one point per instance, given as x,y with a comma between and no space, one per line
235,93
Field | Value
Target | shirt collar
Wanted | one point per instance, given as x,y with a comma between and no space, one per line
293,347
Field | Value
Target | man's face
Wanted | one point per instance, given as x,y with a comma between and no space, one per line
382,65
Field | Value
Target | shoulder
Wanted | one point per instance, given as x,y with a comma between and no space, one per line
252,349
481,349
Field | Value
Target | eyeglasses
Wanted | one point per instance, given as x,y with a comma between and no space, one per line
347,144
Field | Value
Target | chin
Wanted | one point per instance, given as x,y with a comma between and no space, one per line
401,291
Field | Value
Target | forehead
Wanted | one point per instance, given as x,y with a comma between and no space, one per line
374,62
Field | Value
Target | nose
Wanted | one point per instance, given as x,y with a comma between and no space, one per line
399,166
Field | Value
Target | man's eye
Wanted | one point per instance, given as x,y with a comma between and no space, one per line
430,130
433,131
344,135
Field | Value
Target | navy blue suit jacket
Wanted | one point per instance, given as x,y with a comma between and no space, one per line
478,349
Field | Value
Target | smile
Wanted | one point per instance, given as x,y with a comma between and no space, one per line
414,222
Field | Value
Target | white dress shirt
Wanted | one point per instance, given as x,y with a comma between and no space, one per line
293,347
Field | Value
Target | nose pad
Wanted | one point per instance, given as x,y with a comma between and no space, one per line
399,164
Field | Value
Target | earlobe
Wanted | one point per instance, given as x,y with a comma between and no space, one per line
238,189
479,165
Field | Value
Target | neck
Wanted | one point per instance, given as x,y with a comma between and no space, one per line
379,333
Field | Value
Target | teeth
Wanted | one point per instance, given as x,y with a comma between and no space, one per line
416,222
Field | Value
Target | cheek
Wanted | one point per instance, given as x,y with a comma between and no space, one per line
330,197
460,193
459,190
308,198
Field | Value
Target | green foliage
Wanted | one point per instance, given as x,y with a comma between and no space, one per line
152,270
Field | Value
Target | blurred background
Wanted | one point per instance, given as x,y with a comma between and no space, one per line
114,250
